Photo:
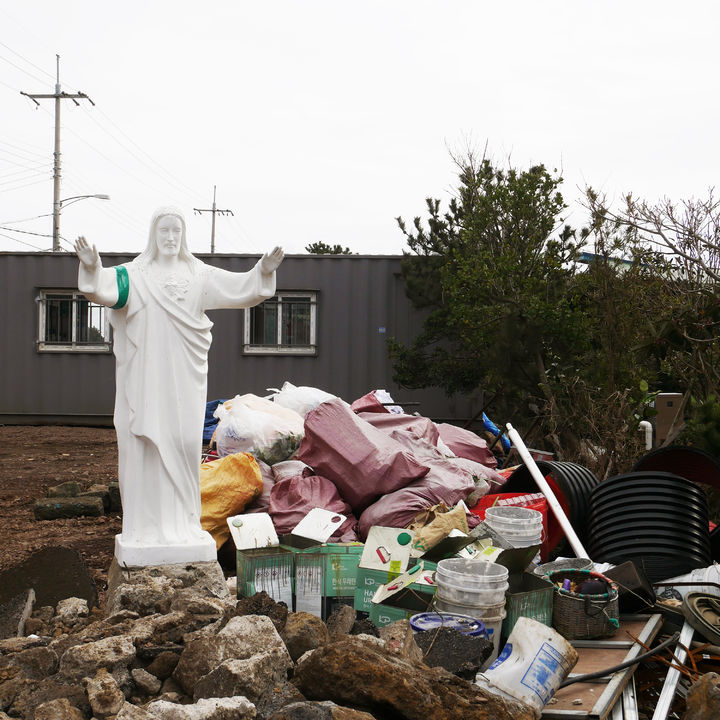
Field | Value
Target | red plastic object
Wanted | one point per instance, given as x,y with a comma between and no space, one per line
535,501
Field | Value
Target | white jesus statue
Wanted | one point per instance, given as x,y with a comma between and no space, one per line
161,341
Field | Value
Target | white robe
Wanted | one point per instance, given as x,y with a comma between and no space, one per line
161,345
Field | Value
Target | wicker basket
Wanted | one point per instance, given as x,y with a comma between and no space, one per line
584,617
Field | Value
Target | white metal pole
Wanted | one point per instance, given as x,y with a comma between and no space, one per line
527,458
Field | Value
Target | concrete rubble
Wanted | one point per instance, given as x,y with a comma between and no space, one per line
175,645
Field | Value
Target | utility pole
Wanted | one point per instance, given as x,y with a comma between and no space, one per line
214,211
58,95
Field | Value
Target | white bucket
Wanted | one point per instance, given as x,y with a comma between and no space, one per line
466,595
532,665
493,628
481,574
513,519
476,611
699,576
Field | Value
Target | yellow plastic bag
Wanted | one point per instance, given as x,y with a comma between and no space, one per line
227,486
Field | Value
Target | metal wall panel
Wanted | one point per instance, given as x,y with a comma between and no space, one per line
361,303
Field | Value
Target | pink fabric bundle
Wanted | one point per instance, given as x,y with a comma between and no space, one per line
417,425
466,444
444,482
293,498
363,462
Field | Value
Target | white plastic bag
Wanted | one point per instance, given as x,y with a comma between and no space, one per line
268,436
301,399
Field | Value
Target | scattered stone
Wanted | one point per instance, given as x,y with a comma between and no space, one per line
70,610
68,507
15,612
278,697
262,604
251,677
163,665
365,676
37,663
99,491
146,682
105,696
66,489
304,632
703,698
115,499
132,712
460,654
232,708
54,573
365,626
81,660
319,711
242,638
341,621
399,638
59,709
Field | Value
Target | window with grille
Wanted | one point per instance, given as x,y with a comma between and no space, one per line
282,324
69,321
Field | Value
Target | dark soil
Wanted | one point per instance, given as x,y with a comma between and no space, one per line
33,459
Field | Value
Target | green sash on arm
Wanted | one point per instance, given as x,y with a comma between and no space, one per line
123,283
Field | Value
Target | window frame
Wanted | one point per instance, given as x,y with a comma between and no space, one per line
74,346
280,348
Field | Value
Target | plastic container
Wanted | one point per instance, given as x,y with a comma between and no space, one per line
493,628
470,596
710,574
532,665
480,574
476,611
564,564
519,520
462,623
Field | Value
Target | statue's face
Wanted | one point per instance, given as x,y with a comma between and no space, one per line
168,235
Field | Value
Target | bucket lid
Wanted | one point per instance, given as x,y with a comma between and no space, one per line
465,624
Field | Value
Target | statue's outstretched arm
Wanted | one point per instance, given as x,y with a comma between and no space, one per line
270,261
98,284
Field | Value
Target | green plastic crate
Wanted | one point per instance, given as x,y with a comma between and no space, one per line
270,569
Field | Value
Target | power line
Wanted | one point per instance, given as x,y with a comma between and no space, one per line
34,247
58,95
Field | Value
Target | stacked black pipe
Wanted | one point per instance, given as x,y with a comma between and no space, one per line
573,481
656,519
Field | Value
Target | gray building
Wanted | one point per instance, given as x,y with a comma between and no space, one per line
327,327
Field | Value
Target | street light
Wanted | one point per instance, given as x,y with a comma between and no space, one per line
57,207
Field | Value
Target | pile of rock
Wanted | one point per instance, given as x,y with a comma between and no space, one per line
173,644
68,500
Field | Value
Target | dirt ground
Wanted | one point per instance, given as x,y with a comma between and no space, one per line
33,459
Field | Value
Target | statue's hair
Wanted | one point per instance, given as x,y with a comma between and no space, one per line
150,251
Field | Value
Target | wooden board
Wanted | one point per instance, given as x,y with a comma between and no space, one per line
598,698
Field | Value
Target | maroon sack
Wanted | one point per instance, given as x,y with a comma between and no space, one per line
444,482
293,498
466,444
416,424
262,502
363,462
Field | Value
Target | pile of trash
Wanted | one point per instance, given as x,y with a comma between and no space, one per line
370,461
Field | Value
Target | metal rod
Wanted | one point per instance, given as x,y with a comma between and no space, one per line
671,679
527,458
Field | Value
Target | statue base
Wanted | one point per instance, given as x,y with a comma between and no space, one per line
132,555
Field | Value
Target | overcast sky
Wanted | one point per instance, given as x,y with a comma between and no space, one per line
323,120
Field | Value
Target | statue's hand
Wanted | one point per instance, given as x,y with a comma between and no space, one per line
89,256
270,261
